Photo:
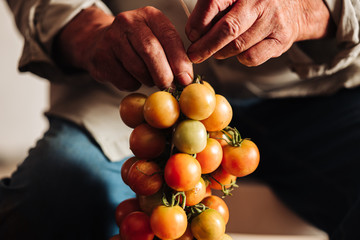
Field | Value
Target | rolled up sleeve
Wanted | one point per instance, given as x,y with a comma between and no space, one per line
346,16
39,21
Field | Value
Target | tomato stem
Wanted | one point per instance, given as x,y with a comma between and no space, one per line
233,136
226,188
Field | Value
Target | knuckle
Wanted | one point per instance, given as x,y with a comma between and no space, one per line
239,45
249,59
230,27
150,10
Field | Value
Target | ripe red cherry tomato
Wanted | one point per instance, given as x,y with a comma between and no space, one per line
145,177
182,172
124,208
210,158
126,167
136,226
242,160
147,142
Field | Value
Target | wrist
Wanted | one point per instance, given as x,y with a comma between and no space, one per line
72,44
315,21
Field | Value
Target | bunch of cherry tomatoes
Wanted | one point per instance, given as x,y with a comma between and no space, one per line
183,150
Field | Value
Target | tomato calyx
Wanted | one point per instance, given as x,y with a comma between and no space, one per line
232,136
226,189
179,198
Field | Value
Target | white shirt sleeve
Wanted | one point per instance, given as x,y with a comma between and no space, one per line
346,16
39,21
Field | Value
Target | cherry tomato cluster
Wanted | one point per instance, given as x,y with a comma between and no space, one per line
183,149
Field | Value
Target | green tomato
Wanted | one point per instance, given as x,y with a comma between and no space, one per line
190,136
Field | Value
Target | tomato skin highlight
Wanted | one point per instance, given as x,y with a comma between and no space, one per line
126,167
210,157
124,208
197,101
208,225
131,109
168,222
196,194
241,161
190,136
216,203
221,116
146,141
145,177
182,172
161,110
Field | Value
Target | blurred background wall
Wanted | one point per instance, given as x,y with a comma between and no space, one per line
23,97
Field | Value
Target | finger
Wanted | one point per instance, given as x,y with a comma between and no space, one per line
256,33
202,16
261,52
173,46
238,20
131,61
106,68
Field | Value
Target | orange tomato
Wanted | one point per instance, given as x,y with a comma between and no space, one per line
210,158
221,116
241,160
221,176
161,110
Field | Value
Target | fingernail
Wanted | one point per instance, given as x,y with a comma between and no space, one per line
184,78
194,35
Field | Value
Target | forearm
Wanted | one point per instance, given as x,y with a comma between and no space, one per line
72,43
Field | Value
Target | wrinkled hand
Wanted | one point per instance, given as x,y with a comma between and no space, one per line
137,47
253,30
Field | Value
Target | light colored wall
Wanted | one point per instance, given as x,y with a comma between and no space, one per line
23,97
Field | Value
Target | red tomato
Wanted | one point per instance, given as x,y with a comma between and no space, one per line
136,226
210,158
124,208
125,168
216,203
242,160
197,101
221,176
145,177
196,194
131,109
168,222
182,172
161,110
221,116
208,225
147,142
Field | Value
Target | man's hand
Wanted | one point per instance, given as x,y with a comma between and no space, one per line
253,30
136,47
